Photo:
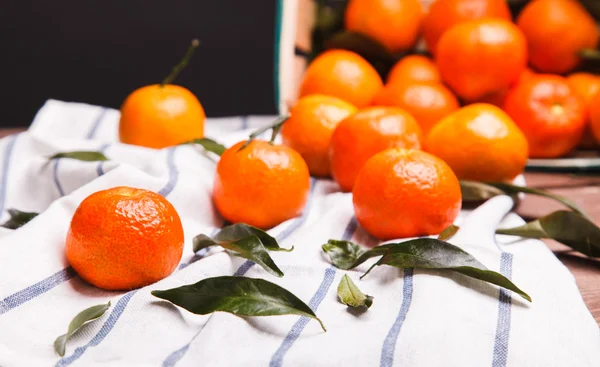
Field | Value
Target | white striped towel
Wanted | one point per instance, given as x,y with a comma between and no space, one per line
419,318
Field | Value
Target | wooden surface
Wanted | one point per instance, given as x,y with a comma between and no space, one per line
585,191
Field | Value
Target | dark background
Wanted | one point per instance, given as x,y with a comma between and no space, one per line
99,51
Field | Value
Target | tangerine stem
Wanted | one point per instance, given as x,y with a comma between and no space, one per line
275,126
182,64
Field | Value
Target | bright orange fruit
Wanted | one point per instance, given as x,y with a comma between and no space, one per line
405,193
159,117
162,115
480,57
343,74
394,23
480,142
427,102
364,134
310,126
549,112
587,86
556,30
261,185
124,238
444,14
414,68
499,97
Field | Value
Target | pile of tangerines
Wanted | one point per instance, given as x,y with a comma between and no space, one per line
474,110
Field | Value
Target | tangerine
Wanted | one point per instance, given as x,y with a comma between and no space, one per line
428,103
587,86
310,126
261,185
480,57
394,23
444,14
414,68
405,193
162,115
499,97
343,74
556,30
364,134
124,238
158,116
480,142
550,114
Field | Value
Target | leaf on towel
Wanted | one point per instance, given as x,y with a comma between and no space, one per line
479,191
448,233
209,145
421,253
85,316
246,241
237,295
18,218
86,156
347,255
569,228
350,295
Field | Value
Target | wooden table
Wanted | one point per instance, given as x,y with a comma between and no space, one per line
585,191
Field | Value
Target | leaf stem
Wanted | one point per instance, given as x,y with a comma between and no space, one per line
321,322
182,64
275,126
369,270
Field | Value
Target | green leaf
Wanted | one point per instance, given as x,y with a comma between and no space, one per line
429,253
237,295
209,145
86,156
479,191
18,218
512,189
569,228
350,295
85,316
347,255
274,126
240,230
246,241
448,233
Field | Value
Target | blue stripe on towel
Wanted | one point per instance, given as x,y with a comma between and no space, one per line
110,322
173,173
29,293
389,344
298,327
8,150
175,356
96,123
503,325
244,122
